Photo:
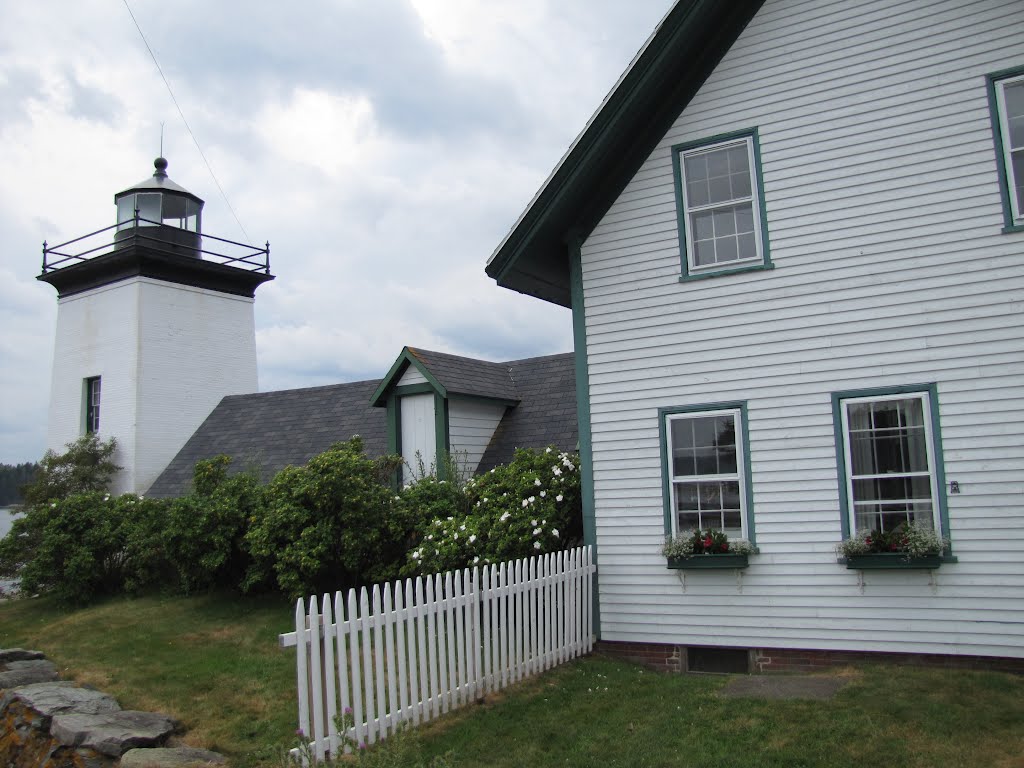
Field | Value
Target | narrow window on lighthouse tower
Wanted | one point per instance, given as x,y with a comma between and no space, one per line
92,405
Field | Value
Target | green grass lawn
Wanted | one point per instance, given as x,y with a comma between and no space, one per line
213,662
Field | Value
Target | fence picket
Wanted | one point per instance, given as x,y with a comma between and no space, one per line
343,665
399,653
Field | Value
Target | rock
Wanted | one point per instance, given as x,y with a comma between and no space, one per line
19,654
28,672
10,695
176,757
49,699
112,733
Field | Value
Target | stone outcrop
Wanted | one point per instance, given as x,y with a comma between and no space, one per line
48,723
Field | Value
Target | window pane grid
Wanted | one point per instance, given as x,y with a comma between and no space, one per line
719,200
1011,117
704,469
890,473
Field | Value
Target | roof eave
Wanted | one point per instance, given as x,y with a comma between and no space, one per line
663,78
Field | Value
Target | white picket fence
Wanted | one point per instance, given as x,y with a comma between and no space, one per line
407,652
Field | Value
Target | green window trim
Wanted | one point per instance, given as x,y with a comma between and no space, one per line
932,414
994,82
760,225
746,486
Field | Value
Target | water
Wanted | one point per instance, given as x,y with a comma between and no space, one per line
6,519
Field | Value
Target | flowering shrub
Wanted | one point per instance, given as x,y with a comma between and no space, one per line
704,542
912,539
527,507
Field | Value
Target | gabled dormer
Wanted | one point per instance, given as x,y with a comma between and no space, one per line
440,404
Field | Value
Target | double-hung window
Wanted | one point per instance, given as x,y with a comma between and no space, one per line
721,222
705,467
1006,92
92,405
891,471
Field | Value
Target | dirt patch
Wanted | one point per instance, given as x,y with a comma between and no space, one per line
779,687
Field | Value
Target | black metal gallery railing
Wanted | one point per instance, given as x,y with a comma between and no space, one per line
160,238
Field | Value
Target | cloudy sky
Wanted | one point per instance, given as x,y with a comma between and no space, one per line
383,147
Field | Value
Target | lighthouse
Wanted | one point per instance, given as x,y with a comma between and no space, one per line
155,325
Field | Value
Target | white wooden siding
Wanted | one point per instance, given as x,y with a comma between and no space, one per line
884,224
471,425
418,433
412,375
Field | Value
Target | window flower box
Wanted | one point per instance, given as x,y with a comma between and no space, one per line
879,561
697,562
707,549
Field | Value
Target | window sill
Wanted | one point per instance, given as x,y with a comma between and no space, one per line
722,272
706,562
1013,228
895,561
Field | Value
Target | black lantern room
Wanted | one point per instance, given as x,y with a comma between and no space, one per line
157,209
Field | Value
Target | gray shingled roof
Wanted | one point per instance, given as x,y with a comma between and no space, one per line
468,376
270,430
546,414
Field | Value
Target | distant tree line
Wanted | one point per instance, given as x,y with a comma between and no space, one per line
12,477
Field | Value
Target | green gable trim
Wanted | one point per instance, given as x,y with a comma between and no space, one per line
681,223
666,480
940,471
997,137
663,78
482,399
579,334
405,359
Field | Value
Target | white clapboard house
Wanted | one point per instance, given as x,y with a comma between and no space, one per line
794,227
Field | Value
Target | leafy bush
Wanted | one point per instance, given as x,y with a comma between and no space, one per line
331,524
76,547
199,542
527,507
85,466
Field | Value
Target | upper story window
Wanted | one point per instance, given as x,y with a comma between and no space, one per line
1006,92
707,479
92,405
890,468
720,205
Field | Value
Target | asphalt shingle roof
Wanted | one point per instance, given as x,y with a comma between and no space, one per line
468,376
546,414
270,430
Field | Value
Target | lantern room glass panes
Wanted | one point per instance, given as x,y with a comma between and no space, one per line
720,204
706,472
156,208
890,462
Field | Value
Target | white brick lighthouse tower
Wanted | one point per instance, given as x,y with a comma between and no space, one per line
154,326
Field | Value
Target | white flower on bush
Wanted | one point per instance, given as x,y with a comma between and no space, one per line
472,538
533,523
554,532
526,503
537,481
505,516
536,531
548,449
556,471
543,494
559,497
416,555
430,537
462,527
476,559
533,499
536,545
456,534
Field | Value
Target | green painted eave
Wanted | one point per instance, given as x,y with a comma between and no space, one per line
666,74
405,359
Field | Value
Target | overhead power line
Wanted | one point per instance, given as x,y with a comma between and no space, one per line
187,126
